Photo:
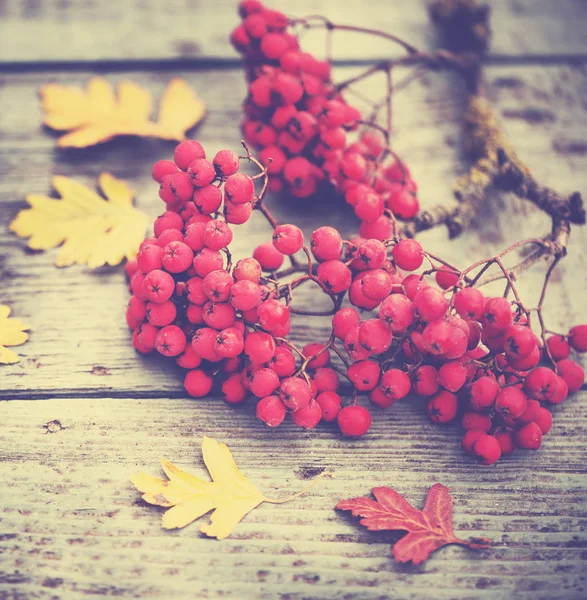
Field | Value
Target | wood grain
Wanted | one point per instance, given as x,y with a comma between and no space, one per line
82,312
83,30
72,525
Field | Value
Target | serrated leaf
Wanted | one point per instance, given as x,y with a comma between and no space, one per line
89,229
97,114
427,530
230,495
12,333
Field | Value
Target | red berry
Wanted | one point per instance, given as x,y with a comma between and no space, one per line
442,408
259,347
439,337
395,384
343,321
186,152
477,421
408,255
397,312
201,172
486,449
271,411
245,295
483,392
506,441
446,277
529,436
511,402
197,383
247,268
364,374
226,163
288,239
519,341
264,382
177,257
168,236
430,304
181,187
216,234
170,341
354,421
530,414
375,336
206,261
161,313
557,345
162,168
452,376
335,275
326,244
316,350
572,373
268,256
376,284
204,342
470,437
189,359
229,343
233,389
578,338
469,303
330,404
217,285
158,286
150,258
237,214
425,380
524,364
239,189
208,199
308,416
295,393
497,314
219,315
326,379
541,384
544,420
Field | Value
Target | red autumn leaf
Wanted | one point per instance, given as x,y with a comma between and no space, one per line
428,529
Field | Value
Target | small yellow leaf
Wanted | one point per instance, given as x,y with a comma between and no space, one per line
89,229
12,333
230,494
181,108
97,114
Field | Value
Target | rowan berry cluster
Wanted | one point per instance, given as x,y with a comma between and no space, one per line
403,322
306,132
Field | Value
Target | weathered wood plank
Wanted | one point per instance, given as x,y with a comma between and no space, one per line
82,313
89,31
71,524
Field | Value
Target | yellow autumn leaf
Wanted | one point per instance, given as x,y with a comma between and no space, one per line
89,229
230,494
12,333
97,114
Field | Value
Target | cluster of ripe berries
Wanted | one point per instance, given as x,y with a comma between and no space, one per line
470,356
302,126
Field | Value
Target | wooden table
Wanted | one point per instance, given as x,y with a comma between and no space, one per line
81,410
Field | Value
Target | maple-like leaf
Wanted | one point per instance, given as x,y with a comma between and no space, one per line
12,333
230,494
90,229
97,114
428,529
